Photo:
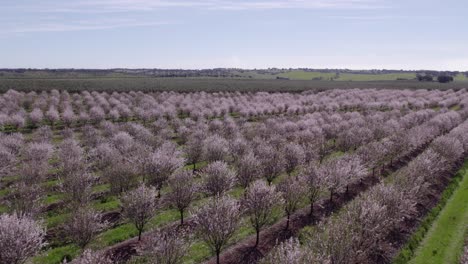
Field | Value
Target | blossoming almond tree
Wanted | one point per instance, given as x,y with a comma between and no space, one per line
183,191
20,238
217,178
217,221
139,206
84,225
293,191
167,247
258,204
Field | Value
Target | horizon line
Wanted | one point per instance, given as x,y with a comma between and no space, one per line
226,68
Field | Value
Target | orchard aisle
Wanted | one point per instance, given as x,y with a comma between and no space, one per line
444,241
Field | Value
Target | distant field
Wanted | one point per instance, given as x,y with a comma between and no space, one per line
303,75
209,84
293,74
327,76
60,75
310,75
376,77
295,80
461,78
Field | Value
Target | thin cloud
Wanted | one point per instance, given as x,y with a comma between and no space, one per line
58,16
110,6
82,25
298,4
362,17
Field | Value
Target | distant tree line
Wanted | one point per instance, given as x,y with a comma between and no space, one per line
442,78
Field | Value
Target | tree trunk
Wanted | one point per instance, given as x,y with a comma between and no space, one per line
258,237
217,256
287,222
311,209
139,234
181,217
194,167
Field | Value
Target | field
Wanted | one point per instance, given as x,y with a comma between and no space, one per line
311,75
209,84
229,80
307,175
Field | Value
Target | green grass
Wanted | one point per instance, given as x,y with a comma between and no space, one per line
455,107
438,232
197,253
57,139
309,75
198,165
57,255
106,204
101,188
444,241
326,76
237,192
50,183
127,231
235,114
8,179
164,217
375,77
354,77
244,231
53,198
335,154
3,209
461,78
54,160
306,75
55,220
116,235
4,192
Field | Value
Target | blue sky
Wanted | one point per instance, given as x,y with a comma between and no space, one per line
355,34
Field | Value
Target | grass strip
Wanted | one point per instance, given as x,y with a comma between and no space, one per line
439,237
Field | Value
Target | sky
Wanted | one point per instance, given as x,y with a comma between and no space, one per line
352,34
